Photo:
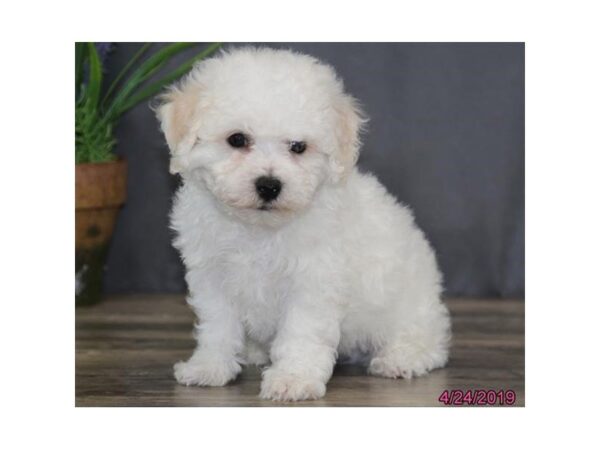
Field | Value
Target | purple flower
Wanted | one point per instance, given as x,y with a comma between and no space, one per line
104,48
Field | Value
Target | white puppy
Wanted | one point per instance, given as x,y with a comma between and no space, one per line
293,257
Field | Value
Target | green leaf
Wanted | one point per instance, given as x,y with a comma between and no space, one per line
94,84
126,69
145,71
80,57
155,88
94,141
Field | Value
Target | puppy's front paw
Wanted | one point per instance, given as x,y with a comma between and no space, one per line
283,386
206,371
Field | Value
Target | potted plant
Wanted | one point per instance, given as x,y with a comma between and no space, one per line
100,177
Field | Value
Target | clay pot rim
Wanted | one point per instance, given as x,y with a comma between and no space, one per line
119,160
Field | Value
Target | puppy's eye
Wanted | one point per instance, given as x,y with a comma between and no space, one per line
238,140
297,146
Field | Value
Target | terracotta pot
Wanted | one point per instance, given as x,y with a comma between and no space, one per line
100,191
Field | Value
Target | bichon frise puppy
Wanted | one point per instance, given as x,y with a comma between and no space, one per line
294,258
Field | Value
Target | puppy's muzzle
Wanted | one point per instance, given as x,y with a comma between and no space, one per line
268,188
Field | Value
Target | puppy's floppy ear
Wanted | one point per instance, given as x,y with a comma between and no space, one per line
176,114
350,122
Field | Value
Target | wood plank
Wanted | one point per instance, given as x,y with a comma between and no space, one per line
126,346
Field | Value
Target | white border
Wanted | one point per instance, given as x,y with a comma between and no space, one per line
562,223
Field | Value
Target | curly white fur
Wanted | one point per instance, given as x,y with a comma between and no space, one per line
334,268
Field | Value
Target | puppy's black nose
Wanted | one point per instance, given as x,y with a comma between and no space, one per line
268,188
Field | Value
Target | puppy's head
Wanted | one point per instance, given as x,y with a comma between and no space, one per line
262,129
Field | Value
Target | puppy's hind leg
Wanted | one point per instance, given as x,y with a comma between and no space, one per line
415,347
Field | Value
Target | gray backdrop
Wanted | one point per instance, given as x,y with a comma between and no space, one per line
446,136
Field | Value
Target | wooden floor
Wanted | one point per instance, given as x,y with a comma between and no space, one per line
126,346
